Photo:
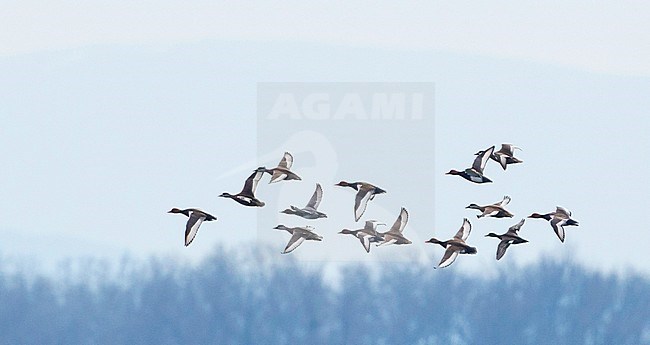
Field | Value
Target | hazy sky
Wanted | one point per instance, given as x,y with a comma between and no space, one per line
115,112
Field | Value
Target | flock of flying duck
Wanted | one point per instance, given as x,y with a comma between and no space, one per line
366,192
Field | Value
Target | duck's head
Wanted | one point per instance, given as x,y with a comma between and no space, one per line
225,195
321,214
175,210
537,215
346,232
436,241
473,206
281,227
353,185
492,235
288,211
453,172
264,169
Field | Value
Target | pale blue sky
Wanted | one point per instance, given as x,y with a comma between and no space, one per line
114,113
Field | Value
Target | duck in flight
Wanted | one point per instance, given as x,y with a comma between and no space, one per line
510,237
282,171
196,217
475,173
396,233
495,210
365,193
505,155
298,236
559,219
310,211
455,245
247,195
366,235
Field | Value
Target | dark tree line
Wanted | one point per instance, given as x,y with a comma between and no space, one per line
217,302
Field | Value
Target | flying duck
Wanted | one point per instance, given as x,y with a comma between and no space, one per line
510,237
475,173
395,234
196,218
505,156
366,235
495,210
309,211
282,172
365,192
247,195
560,218
298,236
455,245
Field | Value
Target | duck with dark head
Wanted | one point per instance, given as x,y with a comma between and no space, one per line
365,193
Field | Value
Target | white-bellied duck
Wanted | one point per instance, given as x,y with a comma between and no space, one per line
395,235
310,211
559,219
455,245
196,217
247,195
282,171
475,173
366,235
505,156
365,192
495,210
298,236
510,237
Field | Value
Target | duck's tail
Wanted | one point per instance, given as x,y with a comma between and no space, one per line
572,222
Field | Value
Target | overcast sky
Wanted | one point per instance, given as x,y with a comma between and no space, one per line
115,112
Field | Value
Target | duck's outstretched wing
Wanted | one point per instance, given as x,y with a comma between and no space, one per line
501,249
251,183
563,211
503,160
296,240
450,256
365,242
314,202
465,229
192,226
558,227
400,222
516,227
286,161
361,202
508,149
504,202
481,159
371,226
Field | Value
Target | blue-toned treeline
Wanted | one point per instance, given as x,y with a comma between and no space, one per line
218,302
